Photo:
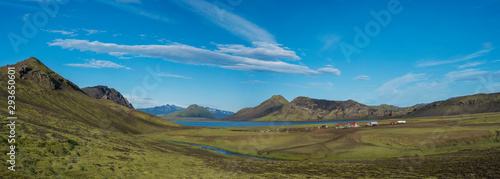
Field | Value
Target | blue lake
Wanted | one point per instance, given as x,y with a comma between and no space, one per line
255,123
222,151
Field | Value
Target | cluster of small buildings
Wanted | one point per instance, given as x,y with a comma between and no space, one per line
348,125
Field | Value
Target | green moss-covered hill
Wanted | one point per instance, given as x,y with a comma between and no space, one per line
273,104
193,111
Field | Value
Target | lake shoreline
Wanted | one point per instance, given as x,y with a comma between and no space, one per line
258,123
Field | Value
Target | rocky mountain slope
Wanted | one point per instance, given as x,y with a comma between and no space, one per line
273,104
309,109
43,97
478,103
103,92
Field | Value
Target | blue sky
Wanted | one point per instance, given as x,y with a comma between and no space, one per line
231,54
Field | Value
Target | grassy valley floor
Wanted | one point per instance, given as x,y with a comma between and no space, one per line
460,146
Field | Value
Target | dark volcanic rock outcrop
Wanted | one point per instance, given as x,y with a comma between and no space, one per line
103,92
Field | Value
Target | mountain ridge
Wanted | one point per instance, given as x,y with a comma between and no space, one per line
104,92
193,111
309,109
271,105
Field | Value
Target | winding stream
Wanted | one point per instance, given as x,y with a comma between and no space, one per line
222,151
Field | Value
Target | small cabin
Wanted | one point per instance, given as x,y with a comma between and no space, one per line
401,122
324,126
353,124
393,122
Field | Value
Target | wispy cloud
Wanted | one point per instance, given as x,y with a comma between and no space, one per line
362,77
64,32
497,60
330,42
229,21
126,6
460,59
392,86
93,31
254,82
191,55
465,75
98,64
174,76
141,102
405,90
260,50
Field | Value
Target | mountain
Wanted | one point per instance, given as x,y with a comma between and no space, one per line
45,98
219,113
387,107
162,110
103,92
478,103
193,111
309,109
273,104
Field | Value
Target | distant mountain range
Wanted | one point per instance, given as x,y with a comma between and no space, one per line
162,110
103,92
219,113
302,108
165,110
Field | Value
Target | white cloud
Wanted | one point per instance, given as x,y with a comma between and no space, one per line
98,64
254,82
174,76
191,55
329,70
260,50
497,60
362,77
467,57
93,31
64,32
229,21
